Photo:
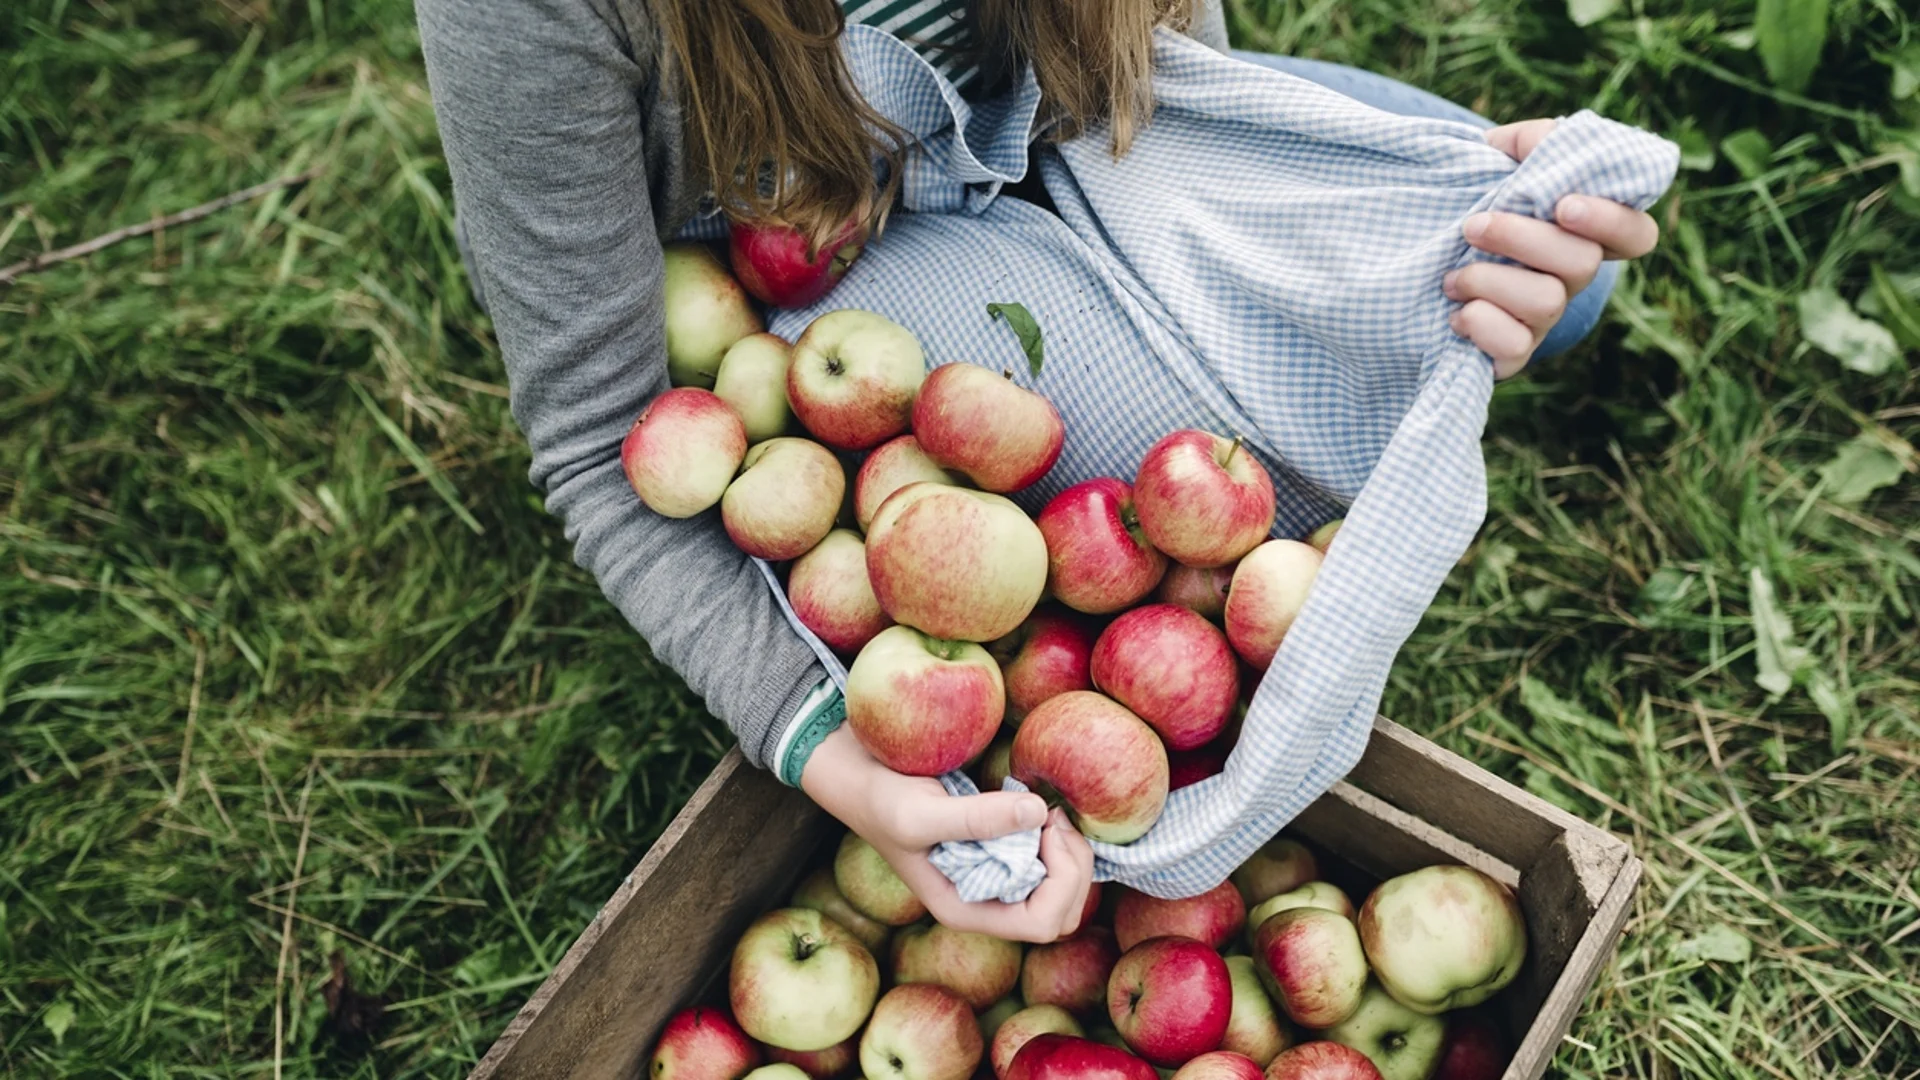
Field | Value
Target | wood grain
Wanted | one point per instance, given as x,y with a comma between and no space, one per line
1563,1003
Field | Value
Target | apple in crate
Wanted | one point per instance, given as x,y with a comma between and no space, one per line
1188,767
801,981
1022,1027
1063,1057
1255,1027
1318,894
1202,591
779,1070
956,563
1270,586
1310,960
1322,1061
753,379
702,1044
1048,655
1322,537
1001,435
830,1064
869,883
1072,972
1098,559
1203,500
921,1032
1170,998
1220,1065
819,892
1474,1049
1213,917
1443,937
1402,1044
1173,668
891,466
706,312
853,379
682,452
923,705
831,595
980,968
1105,763
785,498
995,764
997,1014
1281,865
782,267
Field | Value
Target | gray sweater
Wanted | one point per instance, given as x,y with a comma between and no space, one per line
570,172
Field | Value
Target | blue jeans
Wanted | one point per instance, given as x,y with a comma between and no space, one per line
1583,310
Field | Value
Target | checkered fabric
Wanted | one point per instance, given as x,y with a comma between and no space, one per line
1266,262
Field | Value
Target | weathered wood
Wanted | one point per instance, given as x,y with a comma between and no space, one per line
729,855
1546,1028
1383,841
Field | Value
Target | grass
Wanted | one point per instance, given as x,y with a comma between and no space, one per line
294,668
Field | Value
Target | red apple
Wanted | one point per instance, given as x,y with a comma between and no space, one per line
1255,1028
1173,669
1021,1027
682,452
702,1044
1072,972
819,893
801,981
1443,937
1001,435
1098,560
1203,500
1202,591
1170,998
922,705
921,1032
830,1064
707,311
1213,917
1474,1049
1270,586
831,595
1104,762
784,500
1322,537
980,968
781,266
1187,767
1281,865
959,564
853,379
1322,1061
1220,1065
1046,656
1063,1057
869,883
1310,960
753,379
1091,909
891,466
1320,894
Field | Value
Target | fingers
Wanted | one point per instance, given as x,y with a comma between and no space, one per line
1506,339
1518,140
1621,231
942,817
1046,915
1536,299
1069,859
1539,245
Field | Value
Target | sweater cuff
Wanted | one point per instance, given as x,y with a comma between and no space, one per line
819,713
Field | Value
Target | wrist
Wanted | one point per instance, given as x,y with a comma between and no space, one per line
820,714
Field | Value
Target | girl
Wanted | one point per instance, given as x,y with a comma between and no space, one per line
583,134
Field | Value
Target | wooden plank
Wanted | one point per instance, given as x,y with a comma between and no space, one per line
1383,841
729,855
1564,887
1556,1015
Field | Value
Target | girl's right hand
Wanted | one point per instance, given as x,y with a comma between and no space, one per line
905,817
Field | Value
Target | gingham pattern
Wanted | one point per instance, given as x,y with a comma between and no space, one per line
1265,262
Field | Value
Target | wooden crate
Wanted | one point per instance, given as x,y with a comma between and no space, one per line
743,841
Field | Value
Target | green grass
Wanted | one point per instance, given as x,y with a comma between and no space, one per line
293,665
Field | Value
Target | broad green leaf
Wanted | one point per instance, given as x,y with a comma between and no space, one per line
1906,72
1774,651
1901,311
1026,328
1719,942
1790,35
1830,324
1863,466
1588,12
1749,151
1550,708
1696,150
1835,706
58,1020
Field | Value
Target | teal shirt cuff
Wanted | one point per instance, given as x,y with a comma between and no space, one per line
823,711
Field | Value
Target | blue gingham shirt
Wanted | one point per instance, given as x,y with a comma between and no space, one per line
1265,262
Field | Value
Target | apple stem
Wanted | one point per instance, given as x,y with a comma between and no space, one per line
1232,450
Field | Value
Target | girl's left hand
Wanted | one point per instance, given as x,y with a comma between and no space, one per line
1507,310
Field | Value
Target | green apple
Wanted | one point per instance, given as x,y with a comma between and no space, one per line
801,981
1403,1044
707,311
753,379
1319,894
1443,937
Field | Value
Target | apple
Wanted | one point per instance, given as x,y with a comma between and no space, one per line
921,1032
706,312
1173,668
922,705
753,379
1106,1036
1317,894
1098,559
1202,499
1322,537
869,883
1105,763
831,595
1442,937
830,1064
891,466
818,892
1220,1065
1269,588
853,379
1322,1061
1254,1027
682,452
779,1070
1474,1049
1188,767
785,498
1063,1057
1310,960
782,267
1203,591
1281,865
1000,434
1072,972
1170,998
997,1014
801,981
994,766
1213,917
1022,1027
1403,1044
702,1044
1045,656
957,563
980,968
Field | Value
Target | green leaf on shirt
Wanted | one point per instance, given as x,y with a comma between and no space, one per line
1026,327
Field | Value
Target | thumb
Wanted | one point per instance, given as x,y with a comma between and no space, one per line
981,817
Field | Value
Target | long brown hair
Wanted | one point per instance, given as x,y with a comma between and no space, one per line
780,132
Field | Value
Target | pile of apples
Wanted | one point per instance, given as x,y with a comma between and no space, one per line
1109,643
1272,975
